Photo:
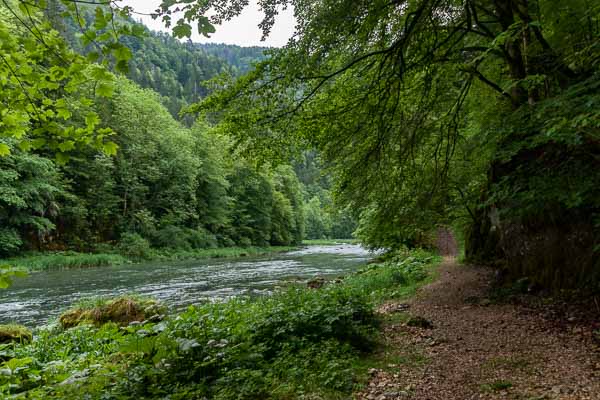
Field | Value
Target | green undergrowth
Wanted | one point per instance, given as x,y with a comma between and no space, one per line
297,343
71,259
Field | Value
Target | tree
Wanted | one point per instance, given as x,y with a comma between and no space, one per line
391,93
43,84
30,188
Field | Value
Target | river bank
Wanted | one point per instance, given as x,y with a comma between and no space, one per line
71,259
298,342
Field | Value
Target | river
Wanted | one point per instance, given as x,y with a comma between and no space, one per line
42,296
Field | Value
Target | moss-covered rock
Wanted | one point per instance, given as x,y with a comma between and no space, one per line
122,311
14,333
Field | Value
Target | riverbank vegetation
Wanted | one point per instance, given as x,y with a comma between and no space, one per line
328,242
298,342
71,259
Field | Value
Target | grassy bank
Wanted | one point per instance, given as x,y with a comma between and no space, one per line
298,343
328,242
70,259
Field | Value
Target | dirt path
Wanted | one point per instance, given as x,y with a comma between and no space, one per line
478,350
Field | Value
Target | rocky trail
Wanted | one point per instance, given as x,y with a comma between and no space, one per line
452,342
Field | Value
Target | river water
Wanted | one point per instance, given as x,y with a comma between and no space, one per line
42,296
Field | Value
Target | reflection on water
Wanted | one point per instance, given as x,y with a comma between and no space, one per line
42,296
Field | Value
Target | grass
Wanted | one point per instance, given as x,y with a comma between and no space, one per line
297,343
328,242
14,333
71,259
67,259
221,252
121,310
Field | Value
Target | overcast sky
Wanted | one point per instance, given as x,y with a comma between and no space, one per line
242,30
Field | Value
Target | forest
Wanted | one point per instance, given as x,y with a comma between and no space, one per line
468,129
144,177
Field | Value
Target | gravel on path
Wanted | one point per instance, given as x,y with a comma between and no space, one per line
480,350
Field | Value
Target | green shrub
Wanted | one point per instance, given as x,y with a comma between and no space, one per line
173,237
10,241
202,239
134,246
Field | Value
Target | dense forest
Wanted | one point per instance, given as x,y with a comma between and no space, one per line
157,182
420,128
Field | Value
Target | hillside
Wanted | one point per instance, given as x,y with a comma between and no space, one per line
174,69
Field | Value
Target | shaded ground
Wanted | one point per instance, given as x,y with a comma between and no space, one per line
480,350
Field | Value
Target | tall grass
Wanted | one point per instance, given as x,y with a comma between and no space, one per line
45,261
70,259
220,252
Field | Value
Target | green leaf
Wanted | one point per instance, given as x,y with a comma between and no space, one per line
182,30
122,53
5,282
205,27
104,90
93,56
100,20
91,120
4,150
110,148
67,146
38,143
62,158
25,145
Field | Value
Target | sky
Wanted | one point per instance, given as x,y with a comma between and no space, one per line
242,30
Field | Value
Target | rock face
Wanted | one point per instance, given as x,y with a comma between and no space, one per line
14,333
122,311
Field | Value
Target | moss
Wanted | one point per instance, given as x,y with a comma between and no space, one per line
14,333
122,311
